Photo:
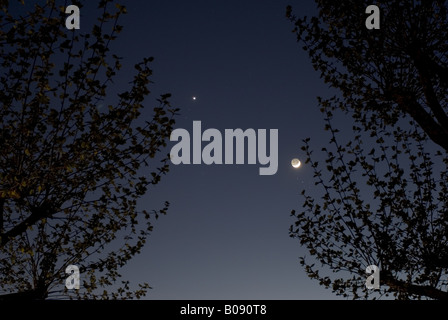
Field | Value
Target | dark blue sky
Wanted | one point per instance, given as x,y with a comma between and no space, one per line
226,233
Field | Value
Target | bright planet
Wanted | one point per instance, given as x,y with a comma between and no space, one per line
295,163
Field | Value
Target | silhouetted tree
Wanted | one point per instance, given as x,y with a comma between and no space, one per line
72,154
384,193
383,201
383,75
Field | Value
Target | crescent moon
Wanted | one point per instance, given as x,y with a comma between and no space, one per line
295,163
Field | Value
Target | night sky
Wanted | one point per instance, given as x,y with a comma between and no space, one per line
233,64
226,233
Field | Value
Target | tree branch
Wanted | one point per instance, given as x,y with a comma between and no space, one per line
429,64
428,89
402,286
434,130
44,211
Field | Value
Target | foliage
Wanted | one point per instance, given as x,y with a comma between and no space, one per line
383,75
73,154
384,193
385,206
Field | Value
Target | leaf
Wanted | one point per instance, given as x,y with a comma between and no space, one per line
14,194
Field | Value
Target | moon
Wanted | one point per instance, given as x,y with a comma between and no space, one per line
295,163
194,98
